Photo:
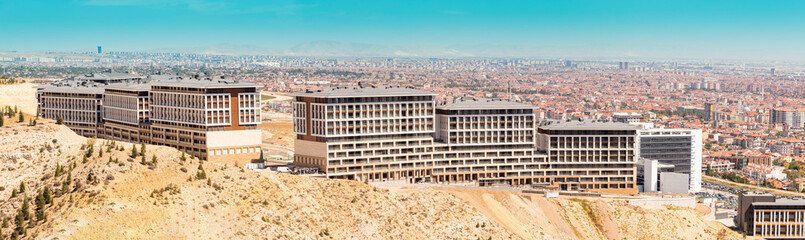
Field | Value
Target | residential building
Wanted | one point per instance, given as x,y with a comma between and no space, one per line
782,148
719,165
763,172
627,117
709,112
794,118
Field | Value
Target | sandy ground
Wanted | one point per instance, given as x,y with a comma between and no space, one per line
21,95
112,200
532,216
277,96
278,132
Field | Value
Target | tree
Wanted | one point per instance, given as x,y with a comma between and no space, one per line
19,222
65,187
142,148
13,193
201,174
134,150
710,171
22,118
59,170
1,121
22,187
183,158
59,120
48,195
40,207
154,159
142,160
25,210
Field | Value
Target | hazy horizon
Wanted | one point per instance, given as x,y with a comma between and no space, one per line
754,30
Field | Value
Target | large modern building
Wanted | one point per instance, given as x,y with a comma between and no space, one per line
591,155
208,117
489,141
397,133
365,132
680,148
766,216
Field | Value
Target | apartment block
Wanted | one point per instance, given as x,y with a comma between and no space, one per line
207,117
794,118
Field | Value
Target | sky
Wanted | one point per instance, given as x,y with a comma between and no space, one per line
674,28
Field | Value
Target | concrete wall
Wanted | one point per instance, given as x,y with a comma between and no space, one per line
234,138
650,176
671,182
310,148
679,202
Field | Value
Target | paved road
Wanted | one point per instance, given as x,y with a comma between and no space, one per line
751,187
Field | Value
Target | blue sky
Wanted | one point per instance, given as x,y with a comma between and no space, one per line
747,29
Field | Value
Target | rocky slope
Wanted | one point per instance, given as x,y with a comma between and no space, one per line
111,195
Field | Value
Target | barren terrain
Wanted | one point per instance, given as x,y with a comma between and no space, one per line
20,95
113,195
130,198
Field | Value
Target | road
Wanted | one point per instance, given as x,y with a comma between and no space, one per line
751,187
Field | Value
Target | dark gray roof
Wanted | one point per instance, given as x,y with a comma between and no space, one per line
204,82
130,86
71,86
470,103
108,76
588,125
86,84
363,91
783,202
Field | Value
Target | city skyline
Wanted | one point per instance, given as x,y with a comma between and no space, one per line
580,29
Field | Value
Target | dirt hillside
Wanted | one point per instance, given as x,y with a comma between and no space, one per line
112,195
21,95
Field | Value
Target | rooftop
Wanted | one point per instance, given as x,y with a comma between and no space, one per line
470,103
785,201
362,90
108,76
203,82
137,83
588,125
